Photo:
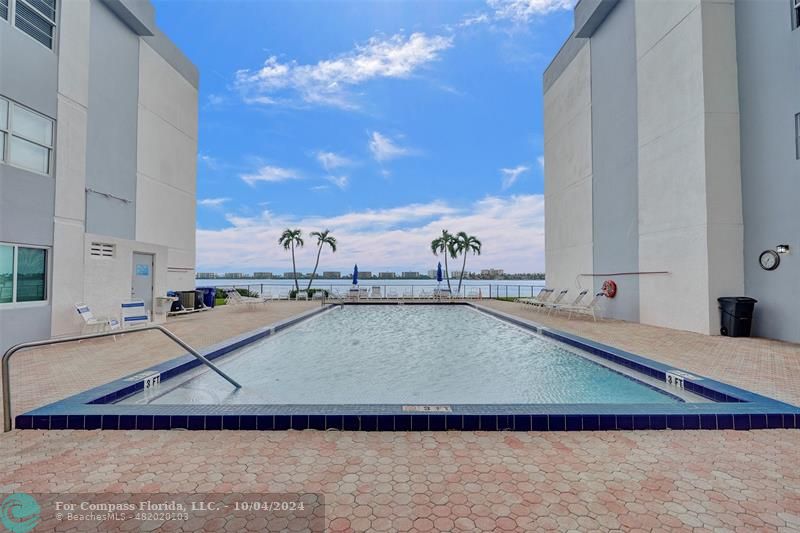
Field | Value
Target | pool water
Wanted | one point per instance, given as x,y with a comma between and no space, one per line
405,354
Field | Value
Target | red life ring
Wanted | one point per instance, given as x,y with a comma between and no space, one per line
609,288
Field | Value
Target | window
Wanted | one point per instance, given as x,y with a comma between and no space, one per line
37,18
101,249
797,136
23,274
796,14
4,9
26,137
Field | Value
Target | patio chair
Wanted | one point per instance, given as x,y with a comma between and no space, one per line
234,298
538,301
133,313
283,294
376,292
301,295
574,303
92,324
363,292
589,309
550,305
392,294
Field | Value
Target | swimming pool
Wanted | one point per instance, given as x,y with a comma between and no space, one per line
404,354
426,366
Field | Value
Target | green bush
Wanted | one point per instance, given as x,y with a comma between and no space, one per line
310,292
506,299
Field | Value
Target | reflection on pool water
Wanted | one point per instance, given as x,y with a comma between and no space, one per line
405,354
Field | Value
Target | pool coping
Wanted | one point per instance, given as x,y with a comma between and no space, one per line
733,407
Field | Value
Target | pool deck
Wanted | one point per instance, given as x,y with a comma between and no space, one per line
459,481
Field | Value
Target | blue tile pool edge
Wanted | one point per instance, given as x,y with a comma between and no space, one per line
735,409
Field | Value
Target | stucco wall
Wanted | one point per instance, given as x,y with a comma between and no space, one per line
107,281
167,148
111,134
769,87
615,159
70,202
568,174
689,197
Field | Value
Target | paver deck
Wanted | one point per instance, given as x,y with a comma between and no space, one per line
453,481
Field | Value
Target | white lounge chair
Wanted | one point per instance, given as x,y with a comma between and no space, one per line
538,300
391,294
233,298
550,305
574,303
589,309
283,294
92,324
301,295
363,292
376,292
133,313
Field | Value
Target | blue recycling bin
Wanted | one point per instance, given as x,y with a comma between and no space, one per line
209,295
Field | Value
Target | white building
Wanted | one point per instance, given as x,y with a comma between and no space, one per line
672,142
98,143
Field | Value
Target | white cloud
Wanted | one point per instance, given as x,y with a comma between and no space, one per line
540,159
327,82
522,11
383,148
210,162
212,202
331,161
270,174
510,175
472,20
395,237
339,181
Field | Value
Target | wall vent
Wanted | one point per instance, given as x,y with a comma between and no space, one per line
101,249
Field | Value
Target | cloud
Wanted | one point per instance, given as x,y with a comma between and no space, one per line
207,160
212,202
339,181
270,174
215,100
510,175
384,149
331,161
396,237
540,160
472,20
522,11
326,82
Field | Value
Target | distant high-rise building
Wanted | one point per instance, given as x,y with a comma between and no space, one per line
364,274
491,272
232,275
331,275
262,275
387,275
411,275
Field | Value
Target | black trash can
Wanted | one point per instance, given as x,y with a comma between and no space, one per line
736,315
209,295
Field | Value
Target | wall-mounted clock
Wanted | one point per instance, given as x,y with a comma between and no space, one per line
769,259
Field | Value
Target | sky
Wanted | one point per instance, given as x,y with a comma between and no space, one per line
382,121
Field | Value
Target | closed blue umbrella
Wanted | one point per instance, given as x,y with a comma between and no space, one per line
355,275
439,276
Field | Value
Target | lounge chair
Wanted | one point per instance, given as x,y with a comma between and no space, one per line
283,294
92,324
574,303
301,295
133,313
363,293
550,305
589,309
391,294
539,300
233,298
376,292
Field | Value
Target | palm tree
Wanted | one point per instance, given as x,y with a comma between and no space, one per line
291,238
323,238
463,243
444,244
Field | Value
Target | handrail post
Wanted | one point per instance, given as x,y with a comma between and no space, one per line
6,375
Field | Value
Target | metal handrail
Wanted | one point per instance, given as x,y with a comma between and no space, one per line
11,351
